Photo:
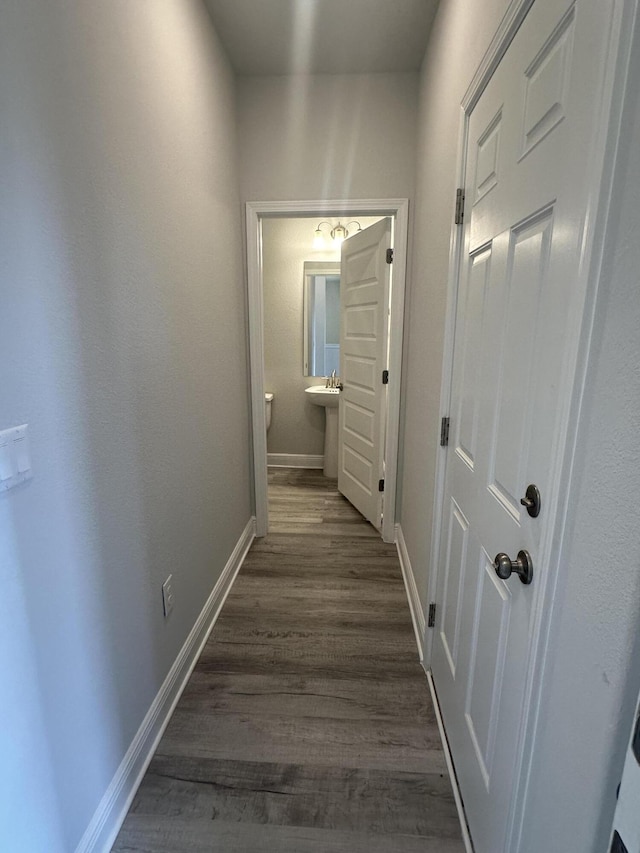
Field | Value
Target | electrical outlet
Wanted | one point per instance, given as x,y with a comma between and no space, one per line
167,596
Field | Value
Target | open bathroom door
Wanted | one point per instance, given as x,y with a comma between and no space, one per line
364,336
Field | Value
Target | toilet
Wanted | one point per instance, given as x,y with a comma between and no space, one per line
268,399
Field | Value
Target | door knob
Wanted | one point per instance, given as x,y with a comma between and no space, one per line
523,566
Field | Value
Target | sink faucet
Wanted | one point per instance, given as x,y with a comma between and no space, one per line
332,381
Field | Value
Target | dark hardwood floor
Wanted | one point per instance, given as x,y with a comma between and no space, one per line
307,725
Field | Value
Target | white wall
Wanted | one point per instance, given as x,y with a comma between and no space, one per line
122,334
333,136
297,426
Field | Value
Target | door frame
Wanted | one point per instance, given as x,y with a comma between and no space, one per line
255,212
603,153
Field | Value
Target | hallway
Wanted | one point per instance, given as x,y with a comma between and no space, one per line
307,723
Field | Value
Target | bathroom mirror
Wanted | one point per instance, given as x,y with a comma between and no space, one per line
321,311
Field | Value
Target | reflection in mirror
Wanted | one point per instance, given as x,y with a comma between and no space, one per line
321,318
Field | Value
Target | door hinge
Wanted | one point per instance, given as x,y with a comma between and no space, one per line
432,615
459,206
389,256
617,844
381,485
444,432
385,377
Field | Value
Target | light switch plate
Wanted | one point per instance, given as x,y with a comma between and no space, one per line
21,454
6,462
15,459
167,596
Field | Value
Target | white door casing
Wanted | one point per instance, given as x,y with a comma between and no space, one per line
521,298
365,277
255,211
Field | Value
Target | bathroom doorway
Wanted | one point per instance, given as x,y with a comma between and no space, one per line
263,220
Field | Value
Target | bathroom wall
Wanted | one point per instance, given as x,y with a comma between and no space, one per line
122,334
297,426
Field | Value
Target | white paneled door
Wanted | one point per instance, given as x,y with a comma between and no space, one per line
364,337
519,309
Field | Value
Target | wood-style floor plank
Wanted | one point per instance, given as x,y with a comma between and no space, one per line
159,834
346,699
299,795
307,725
378,744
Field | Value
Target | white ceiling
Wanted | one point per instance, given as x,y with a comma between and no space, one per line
323,36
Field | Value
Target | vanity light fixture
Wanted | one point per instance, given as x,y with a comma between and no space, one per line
338,233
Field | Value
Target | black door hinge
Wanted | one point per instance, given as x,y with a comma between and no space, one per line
635,740
617,844
381,485
459,206
432,615
389,256
385,377
444,432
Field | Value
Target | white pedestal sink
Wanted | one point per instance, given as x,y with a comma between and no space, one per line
328,398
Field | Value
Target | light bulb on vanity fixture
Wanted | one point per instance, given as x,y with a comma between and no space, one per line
318,237
338,233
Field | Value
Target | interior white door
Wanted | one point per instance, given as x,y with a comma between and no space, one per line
519,309
364,335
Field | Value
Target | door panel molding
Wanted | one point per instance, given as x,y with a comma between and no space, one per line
607,105
255,212
364,335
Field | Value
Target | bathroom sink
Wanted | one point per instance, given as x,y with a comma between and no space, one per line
321,396
328,398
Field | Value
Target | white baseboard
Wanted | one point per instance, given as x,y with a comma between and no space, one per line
415,606
294,460
112,810
419,625
468,846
